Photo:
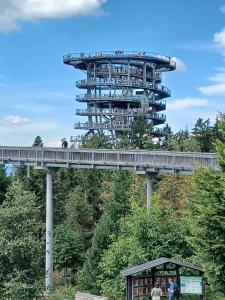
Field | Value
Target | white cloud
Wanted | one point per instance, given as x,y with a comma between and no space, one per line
198,46
218,86
214,89
16,120
180,65
52,143
219,40
184,103
223,8
35,128
13,12
218,77
20,125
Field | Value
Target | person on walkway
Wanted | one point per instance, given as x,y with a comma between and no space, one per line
156,292
64,143
173,289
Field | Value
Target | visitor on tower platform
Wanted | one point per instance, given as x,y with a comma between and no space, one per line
156,292
173,290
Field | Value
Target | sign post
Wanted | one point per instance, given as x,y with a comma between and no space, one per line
191,285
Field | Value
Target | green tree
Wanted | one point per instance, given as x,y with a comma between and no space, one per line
68,248
183,141
142,236
190,145
206,215
100,242
21,254
207,225
220,142
174,190
140,136
38,142
96,141
115,205
83,204
64,182
79,215
125,252
4,183
204,134
168,135
123,142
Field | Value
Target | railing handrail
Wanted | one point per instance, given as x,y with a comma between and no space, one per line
124,70
118,53
136,159
102,125
120,97
117,111
155,152
134,83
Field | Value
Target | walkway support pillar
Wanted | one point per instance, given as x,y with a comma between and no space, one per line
28,171
149,192
49,232
149,176
49,236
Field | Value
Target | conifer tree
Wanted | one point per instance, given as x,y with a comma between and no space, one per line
21,254
38,142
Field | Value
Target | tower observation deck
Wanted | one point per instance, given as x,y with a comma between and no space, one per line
119,87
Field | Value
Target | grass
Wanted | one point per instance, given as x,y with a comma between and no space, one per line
65,292
208,297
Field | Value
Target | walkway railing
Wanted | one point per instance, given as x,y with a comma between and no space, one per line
137,98
120,112
154,161
113,54
103,126
122,83
124,71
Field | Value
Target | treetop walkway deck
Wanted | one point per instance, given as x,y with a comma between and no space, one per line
136,160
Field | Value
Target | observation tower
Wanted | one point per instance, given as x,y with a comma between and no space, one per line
119,87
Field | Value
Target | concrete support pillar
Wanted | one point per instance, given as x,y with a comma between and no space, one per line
28,171
149,192
149,177
49,232
49,235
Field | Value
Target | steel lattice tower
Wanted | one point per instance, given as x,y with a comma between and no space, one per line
120,86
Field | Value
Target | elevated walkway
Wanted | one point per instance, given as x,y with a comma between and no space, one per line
134,160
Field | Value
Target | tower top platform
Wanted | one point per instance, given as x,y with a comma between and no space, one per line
80,60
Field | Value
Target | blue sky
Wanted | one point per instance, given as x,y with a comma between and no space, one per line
37,90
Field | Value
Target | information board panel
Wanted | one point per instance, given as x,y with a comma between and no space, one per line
191,285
